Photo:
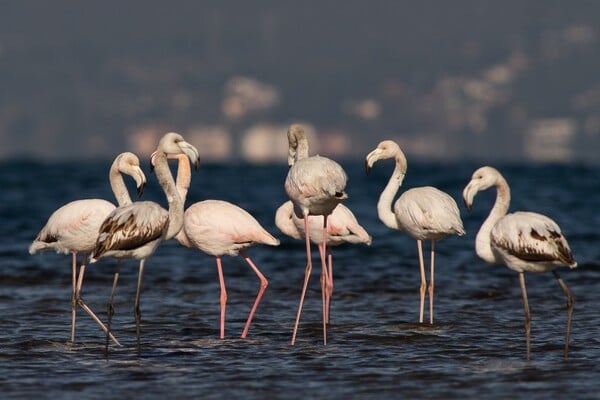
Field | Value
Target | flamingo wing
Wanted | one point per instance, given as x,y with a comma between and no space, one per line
531,237
131,226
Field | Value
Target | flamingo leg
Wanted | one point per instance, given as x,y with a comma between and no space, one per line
307,272
527,314
73,295
263,286
79,300
431,282
570,303
423,286
110,311
137,311
223,297
325,282
330,286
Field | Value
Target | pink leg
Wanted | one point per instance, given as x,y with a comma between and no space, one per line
423,286
263,286
223,296
325,281
306,277
73,296
330,286
431,283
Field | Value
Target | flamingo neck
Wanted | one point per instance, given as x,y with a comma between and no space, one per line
117,185
483,246
165,179
184,178
384,205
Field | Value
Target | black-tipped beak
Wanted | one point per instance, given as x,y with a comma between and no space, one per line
140,189
468,206
367,168
197,165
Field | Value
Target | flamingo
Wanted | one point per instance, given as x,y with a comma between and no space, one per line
220,228
424,213
315,185
136,230
342,227
523,241
73,228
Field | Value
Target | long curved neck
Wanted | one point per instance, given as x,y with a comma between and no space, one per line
384,205
483,246
298,148
184,178
165,179
118,187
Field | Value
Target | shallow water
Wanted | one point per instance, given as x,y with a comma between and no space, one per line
376,348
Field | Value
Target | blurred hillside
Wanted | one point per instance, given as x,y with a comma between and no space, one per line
482,80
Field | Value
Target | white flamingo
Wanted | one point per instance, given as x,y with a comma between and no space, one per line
342,227
136,230
523,241
220,228
315,185
424,213
73,228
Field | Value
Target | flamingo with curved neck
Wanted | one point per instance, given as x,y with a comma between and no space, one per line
523,241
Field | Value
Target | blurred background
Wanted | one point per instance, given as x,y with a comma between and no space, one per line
511,80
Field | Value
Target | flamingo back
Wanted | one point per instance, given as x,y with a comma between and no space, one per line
426,213
218,227
529,241
73,227
131,227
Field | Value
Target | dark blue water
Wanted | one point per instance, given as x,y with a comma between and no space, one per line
376,349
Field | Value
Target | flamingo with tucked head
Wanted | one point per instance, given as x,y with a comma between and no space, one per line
315,185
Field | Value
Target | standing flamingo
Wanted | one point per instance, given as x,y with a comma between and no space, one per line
136,230
342,227
315,185
523,241
424,213
220,228
73,228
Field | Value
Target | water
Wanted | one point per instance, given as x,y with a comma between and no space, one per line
376,348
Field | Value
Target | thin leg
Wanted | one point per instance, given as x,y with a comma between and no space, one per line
138,313
79,300
527,314
263,286
423,286
73,295
570,303
324,282
307,272
110,309
330,280
431,282
223,298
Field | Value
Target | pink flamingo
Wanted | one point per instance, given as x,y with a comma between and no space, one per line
73,228
220,228
424,213
315,185
523,241
342,227
136,230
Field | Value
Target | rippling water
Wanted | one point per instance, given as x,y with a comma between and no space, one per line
376,348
